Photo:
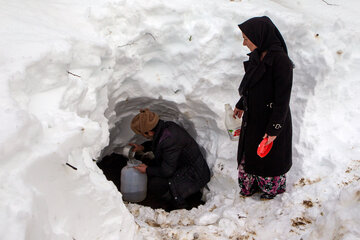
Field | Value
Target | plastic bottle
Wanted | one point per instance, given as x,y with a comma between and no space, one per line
233,126
133,183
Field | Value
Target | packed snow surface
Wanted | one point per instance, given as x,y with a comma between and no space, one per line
74,73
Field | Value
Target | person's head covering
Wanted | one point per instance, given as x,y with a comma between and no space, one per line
144,122
263,33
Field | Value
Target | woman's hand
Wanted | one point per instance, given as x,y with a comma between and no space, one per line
238,113
137,147
270,139
141,168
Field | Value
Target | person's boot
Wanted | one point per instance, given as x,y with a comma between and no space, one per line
194,200
266,196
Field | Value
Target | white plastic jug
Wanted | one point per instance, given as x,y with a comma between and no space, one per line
133,183
233,126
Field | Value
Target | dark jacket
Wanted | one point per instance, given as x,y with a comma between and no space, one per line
266,110
178,158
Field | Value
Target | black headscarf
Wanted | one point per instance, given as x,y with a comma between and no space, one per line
264,34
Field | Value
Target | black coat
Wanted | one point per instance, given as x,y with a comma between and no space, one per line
178,158
266,110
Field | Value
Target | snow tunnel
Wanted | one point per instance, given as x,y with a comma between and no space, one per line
112,158
120,132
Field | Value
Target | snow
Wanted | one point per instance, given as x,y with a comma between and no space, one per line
73,74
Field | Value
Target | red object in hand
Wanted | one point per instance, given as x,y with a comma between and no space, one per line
263,150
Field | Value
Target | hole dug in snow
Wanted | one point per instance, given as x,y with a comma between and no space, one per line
112,159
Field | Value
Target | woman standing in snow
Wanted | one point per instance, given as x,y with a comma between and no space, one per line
265,94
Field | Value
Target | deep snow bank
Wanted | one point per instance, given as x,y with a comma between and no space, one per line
74,93
45,124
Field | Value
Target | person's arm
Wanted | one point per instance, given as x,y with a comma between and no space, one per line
240,104
170,152
142,152
282,77
144,147
239,108
147,146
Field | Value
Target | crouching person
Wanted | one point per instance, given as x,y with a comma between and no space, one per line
178,171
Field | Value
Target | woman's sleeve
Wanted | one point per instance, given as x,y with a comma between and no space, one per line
282,79
240,104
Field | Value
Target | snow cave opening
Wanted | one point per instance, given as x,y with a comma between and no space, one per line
112,159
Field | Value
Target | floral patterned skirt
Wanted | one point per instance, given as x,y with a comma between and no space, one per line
249,183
